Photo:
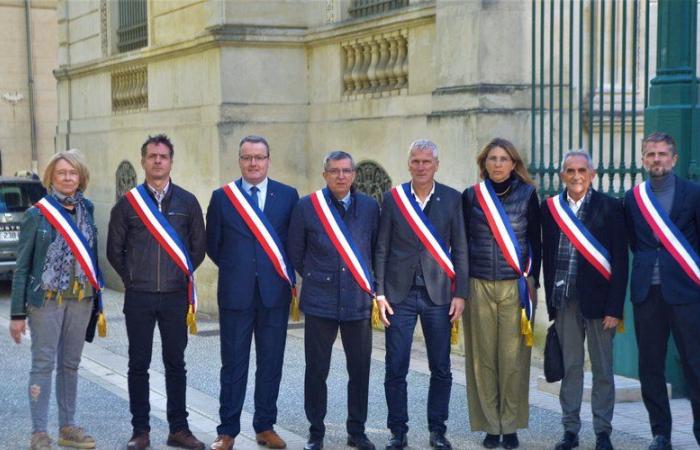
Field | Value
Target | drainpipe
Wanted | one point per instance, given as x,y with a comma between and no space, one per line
30,83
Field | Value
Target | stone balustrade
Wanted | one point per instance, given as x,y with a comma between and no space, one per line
130,89
375,65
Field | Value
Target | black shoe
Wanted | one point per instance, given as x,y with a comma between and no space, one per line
439,441
602,441
568,441
314,444
492,441
660,442
510,440
397,441
361,442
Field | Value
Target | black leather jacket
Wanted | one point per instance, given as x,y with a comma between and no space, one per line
138,258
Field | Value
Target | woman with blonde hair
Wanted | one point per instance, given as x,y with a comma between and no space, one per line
55,292
502,219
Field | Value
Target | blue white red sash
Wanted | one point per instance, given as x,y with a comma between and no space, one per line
159,227
422,227
667,232
56,215
263,231
341,239
579,236
502,231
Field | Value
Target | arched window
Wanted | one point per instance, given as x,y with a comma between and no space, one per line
372,179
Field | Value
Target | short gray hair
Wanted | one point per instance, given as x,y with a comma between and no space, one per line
423,145
337,155
579,152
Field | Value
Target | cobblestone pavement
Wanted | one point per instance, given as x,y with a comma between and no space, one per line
104,411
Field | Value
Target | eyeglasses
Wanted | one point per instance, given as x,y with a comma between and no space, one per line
249,158
335,171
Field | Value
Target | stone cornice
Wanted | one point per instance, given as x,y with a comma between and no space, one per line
36,4
482,88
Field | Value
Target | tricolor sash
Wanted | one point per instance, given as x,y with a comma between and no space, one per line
503,233
341,239
56,215
159,227
667,232
579,236
263,231
423,229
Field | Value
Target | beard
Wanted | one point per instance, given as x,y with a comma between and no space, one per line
659,171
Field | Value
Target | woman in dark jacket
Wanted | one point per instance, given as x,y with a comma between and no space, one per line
497,333
52,291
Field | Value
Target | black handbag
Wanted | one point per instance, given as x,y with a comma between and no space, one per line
92,325
553,359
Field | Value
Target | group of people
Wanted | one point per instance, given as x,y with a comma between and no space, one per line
426,252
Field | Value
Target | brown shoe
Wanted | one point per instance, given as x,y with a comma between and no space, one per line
270,439
140,440
185,439
222,442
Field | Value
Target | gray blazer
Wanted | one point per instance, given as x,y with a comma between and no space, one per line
399,250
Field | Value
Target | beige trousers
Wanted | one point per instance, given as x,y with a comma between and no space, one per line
497,359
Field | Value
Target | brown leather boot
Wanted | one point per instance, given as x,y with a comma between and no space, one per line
270,439
140,440
185,439
222,442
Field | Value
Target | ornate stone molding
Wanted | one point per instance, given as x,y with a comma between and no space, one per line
104,33
375,65
130,88
125,178
372,179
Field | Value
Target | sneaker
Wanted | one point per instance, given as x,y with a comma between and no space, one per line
75,437
41,441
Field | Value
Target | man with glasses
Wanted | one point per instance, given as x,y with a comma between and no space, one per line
247,222
331,238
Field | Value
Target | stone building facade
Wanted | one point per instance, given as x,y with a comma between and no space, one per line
15,111
364,76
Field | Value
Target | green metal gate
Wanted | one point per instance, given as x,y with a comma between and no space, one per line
591,61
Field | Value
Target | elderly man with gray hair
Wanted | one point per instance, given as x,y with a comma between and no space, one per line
585,259
331,239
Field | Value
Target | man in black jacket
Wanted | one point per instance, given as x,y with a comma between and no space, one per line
156,291
585,276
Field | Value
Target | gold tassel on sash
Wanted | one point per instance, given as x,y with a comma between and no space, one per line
294,306
526,328
49,295
191,320
620,326
59,298
101,325
454,332
376,321
76,287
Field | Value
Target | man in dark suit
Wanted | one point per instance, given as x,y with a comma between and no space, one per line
411,283
665,298
253,297
332,298
585,297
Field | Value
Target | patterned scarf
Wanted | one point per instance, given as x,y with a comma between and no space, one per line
60,261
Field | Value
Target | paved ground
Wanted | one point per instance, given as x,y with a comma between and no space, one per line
103,405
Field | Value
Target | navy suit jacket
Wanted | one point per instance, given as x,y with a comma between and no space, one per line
239,255
598,297
676,286
329,289
399,250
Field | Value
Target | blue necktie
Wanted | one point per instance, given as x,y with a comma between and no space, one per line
254,193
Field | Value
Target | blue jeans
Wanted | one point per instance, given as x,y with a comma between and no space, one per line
435,321
58,336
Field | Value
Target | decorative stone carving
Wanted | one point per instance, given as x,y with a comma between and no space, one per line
125,178
372,179
375,65
104,41
130,89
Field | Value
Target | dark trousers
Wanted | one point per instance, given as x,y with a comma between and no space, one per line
435,322
319,335
654,319
237,328
142,310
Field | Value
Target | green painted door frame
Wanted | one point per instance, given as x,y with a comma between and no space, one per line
673,109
